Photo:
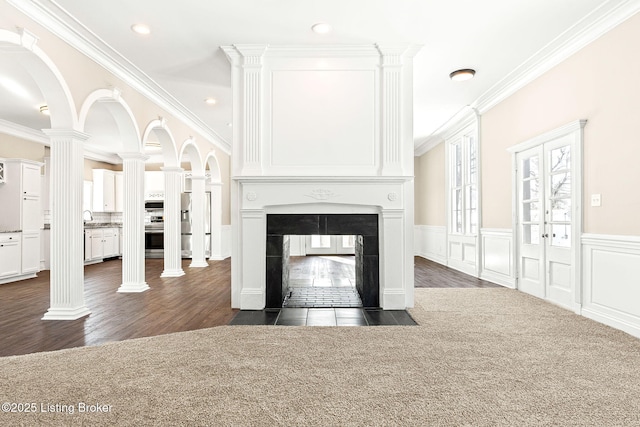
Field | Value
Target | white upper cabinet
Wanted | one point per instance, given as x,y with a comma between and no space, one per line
31,181
104,190
154,185
20,205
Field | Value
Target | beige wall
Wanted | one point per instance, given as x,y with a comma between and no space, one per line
600,83
12,147
430,195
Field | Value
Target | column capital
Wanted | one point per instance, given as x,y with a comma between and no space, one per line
66,133
133,156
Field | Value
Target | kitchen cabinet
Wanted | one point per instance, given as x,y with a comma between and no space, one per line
154,185
104,190
119,192
101,243
20,205
10,255
22,217
30,252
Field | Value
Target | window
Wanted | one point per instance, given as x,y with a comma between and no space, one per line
463,167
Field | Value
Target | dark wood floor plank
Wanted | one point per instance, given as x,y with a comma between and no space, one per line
200,299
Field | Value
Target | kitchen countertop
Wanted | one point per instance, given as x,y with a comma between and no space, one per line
10,231
103,225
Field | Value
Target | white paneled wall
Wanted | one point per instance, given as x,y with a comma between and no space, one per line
611,280
610,270
497,259
226,241
430,242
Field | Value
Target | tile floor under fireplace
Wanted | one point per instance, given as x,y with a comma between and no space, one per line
322,293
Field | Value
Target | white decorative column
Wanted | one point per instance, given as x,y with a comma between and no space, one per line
172,236
247,59
391,108
133,279
392,266
67,231
216,220
197,225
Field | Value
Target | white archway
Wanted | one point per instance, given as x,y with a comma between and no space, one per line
67,240
215,187
190,152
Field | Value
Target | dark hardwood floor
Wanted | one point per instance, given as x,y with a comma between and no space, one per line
429,274
200,299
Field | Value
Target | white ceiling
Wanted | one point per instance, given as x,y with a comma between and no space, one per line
182,55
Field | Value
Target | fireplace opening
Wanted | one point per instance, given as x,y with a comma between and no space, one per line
355,241
320,272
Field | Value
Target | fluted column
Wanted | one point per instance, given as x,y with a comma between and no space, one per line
133,270
216,220
391,108
172,236
67,234
197,226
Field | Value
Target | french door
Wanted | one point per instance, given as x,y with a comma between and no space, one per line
330,245
546,197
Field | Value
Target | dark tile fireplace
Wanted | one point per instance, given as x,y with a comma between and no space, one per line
364,226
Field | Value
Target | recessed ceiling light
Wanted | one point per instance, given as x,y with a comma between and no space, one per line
210,101
321,28
141,29
462,75
45,110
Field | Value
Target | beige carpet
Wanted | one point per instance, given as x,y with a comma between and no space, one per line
481,357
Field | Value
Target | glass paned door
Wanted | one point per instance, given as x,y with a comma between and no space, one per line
330,245
545,227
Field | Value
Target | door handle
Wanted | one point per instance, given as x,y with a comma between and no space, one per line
544,236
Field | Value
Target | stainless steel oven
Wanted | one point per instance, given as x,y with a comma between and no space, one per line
154,242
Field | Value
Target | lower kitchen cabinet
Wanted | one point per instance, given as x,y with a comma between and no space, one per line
10,254
101,243
30,252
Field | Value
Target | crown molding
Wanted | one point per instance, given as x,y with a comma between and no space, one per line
23,132
64,26
597,23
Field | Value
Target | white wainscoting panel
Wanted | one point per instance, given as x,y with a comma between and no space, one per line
497,256
462,253
226,241
611,280
430,242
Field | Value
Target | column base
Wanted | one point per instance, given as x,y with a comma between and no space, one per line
66,313
133,287
173,273
199,264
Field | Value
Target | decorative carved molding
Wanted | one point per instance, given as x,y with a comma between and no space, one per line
392,197
251,196
321,194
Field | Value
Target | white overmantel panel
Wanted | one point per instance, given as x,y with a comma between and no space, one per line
322,110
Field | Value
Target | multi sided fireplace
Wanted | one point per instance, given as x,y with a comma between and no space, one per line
364,226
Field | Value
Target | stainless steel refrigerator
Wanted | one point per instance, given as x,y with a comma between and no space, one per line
186,224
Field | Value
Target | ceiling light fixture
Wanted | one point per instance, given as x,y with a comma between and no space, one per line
321,28
141,29
210,101
45,110
462,75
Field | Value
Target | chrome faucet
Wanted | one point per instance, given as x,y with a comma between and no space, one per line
90,215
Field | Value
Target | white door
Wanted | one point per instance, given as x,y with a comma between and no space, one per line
545,223
330,245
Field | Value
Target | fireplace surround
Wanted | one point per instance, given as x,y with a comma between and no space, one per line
364,226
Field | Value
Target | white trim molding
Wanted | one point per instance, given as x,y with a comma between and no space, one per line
611,281
497,264
430,242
